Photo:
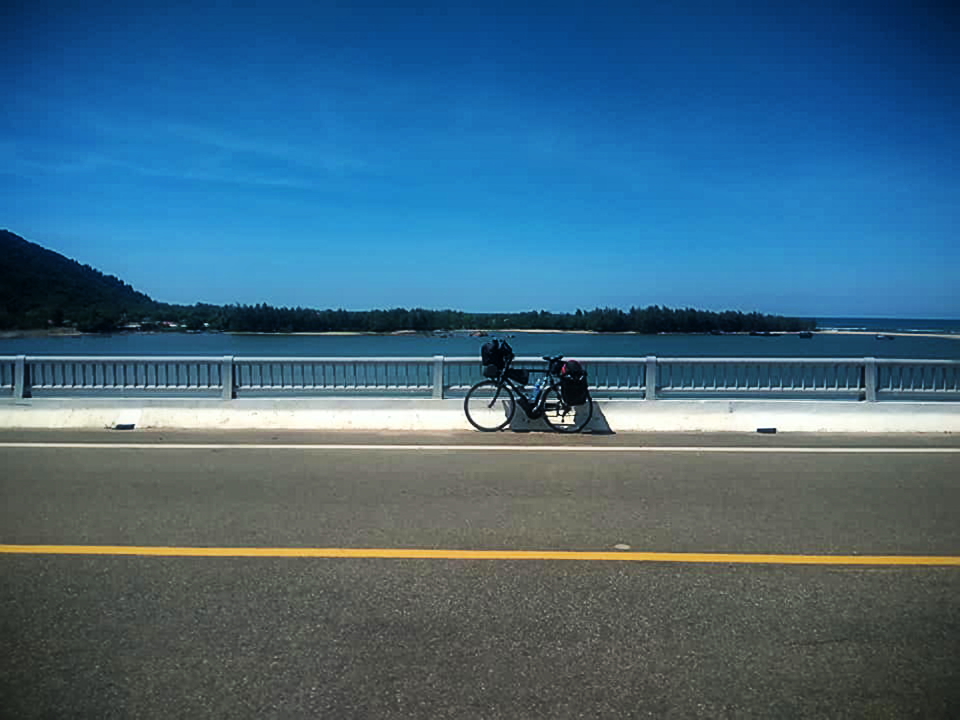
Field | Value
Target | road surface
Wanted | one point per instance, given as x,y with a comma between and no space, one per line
310,629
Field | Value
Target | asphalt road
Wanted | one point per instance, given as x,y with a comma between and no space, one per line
141,636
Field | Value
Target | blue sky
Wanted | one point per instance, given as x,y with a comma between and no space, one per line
797,158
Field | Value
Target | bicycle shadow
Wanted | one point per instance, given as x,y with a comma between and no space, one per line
598,424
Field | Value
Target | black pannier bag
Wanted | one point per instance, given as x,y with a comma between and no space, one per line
519,375
573,383
495,355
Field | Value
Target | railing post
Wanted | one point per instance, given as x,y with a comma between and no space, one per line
438,377
650,379
870,378
226,377
19,378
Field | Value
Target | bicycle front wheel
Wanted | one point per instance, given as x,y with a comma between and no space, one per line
563,417
487,409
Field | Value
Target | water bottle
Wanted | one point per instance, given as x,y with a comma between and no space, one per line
536,390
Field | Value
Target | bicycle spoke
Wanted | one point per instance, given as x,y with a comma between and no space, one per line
489,406
563,417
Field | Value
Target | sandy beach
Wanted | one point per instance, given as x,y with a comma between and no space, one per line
13,334
955,336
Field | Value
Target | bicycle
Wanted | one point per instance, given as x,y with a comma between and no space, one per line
491,404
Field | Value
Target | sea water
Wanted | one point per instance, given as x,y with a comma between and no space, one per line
875,343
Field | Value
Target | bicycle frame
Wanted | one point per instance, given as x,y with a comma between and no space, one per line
533,410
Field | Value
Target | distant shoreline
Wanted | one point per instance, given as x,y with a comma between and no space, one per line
952,336
330,333
475,333
13,334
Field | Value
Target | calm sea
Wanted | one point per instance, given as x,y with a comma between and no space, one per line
571,345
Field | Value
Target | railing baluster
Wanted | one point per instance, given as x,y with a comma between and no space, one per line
704,377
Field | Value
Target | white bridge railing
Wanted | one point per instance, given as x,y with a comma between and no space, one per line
648,378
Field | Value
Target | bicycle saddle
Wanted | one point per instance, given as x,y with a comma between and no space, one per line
552,358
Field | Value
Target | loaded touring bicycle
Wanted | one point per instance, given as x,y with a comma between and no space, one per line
561,397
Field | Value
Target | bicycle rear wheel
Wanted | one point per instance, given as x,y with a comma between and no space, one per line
563,417
488,410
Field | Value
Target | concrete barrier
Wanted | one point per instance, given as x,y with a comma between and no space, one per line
446,415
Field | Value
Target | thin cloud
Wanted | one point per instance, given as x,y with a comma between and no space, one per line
101,142
18,163
192,139
293,154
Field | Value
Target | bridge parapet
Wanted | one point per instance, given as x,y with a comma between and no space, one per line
648,378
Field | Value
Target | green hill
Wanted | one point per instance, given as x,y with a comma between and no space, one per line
40,288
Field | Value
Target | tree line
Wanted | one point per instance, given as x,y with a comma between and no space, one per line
40,289
650,320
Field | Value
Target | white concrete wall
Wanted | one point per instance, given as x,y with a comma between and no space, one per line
426,414
784,415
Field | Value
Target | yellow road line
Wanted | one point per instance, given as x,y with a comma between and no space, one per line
433,554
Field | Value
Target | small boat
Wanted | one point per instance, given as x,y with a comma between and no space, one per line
806,335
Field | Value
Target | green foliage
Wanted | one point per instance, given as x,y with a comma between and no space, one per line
40,288
654,319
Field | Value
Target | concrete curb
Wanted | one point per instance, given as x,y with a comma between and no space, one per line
784,416
446,415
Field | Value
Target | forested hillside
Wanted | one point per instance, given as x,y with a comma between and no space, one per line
41,289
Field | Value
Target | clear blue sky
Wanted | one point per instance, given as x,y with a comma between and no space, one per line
799,158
